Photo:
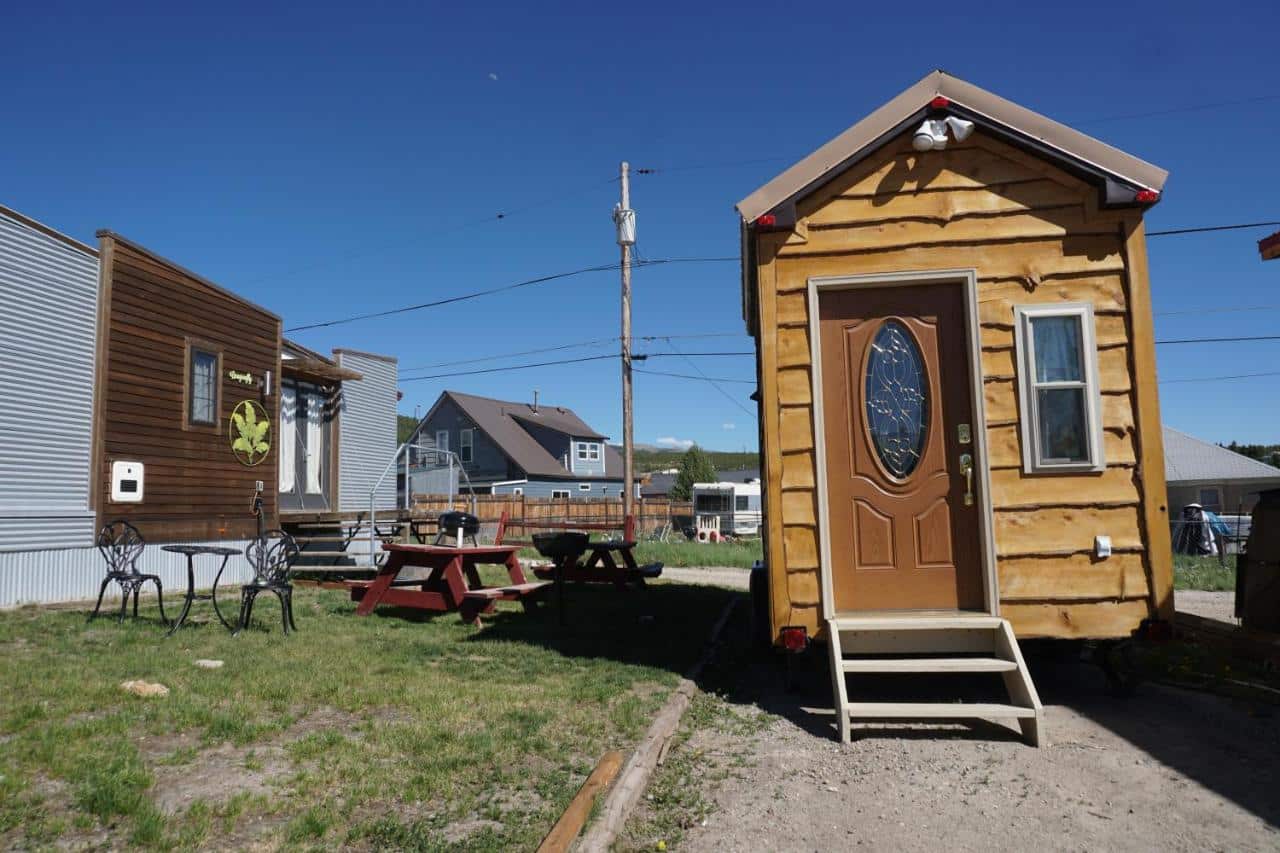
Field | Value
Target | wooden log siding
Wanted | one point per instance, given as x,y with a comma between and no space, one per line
1035,236
194,487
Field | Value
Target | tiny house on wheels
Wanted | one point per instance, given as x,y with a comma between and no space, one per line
957,395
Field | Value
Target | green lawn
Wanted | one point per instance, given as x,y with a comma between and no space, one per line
396,730
1204,573
741,553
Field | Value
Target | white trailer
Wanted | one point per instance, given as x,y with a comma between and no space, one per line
735,505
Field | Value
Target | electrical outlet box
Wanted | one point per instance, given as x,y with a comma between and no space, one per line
126,482
257,485
1102,547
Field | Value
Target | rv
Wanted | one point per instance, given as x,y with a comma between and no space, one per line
734,506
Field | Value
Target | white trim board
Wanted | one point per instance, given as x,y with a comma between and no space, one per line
968,279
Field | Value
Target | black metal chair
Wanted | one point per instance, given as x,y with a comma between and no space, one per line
121,545
271,556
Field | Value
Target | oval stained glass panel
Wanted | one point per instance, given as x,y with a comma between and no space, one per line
896,399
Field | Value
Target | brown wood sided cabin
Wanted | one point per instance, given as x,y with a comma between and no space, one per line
162,329
923,457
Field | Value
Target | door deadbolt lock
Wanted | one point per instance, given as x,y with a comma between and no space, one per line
966,468
964,434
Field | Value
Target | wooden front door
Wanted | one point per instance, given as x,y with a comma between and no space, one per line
903,521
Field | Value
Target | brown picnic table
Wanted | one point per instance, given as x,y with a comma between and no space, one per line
453,584
601,565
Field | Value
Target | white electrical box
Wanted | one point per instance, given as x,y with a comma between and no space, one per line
1102,547
126,482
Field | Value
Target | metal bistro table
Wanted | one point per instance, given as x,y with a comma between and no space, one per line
191,552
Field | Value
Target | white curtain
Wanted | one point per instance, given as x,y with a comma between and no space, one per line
288,438
1058,349
315,443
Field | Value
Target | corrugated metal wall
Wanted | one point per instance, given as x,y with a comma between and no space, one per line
73,574
367,431
48,326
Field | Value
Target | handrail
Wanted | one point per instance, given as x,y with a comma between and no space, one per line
395,458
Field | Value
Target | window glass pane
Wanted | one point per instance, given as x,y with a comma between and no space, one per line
316,449
741,502
204,367
1064,436
897,405
1058,345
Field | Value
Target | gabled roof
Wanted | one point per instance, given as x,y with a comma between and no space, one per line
501,421
1120,175
1188,459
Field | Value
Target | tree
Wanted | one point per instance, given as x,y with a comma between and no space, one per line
695,467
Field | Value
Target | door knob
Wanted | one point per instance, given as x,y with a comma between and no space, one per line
966,468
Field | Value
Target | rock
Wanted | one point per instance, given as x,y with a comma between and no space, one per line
205,663
144,688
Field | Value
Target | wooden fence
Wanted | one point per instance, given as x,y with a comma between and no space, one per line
651,513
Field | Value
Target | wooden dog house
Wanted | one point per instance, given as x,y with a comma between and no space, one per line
958,406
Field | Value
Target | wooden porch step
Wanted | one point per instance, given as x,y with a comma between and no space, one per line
935,710
909,621
973,664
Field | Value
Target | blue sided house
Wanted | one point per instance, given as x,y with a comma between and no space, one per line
528,448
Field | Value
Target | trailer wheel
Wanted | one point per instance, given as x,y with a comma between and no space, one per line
1119,664
760,633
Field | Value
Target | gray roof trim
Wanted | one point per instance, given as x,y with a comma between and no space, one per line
1190,461
47,231
1050,138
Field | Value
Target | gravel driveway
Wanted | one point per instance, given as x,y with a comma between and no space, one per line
1168,769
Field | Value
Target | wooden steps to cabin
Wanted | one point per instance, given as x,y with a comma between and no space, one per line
942,644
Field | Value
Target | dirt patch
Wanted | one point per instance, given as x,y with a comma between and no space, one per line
1167,769
1210,605
461,830
710,576
217,774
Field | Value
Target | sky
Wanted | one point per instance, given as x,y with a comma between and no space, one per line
333,159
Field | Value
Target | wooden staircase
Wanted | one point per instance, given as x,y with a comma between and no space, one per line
944,643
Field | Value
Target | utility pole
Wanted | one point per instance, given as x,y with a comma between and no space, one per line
625,220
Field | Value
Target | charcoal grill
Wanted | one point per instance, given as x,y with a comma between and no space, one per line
460,525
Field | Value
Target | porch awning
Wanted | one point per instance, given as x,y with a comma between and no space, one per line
317,370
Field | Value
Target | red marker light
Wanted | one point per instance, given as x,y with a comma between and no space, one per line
794,638
940,103
1147,196
767,221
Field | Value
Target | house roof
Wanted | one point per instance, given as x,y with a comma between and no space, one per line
1188,459
1122,174
304,363
501,421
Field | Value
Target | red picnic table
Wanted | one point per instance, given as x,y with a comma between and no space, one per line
454,582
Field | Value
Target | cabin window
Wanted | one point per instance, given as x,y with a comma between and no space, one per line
740,503
202,386
465,440
1211,499
1059,399
559,493
584,487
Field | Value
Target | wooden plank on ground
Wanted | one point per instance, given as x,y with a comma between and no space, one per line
570,823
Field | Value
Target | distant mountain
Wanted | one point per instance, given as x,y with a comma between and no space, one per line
649,457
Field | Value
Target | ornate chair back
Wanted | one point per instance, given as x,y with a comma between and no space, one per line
121,545
271,556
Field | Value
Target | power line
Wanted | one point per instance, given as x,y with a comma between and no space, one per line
502,289
510,367
1220,378
1188,109
698,370
477,360
702,378
1212,228
690,354
1221,340
1217,310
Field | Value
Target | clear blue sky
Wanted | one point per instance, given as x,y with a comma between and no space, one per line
330,159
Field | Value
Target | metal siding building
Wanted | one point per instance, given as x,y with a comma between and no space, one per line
48,333
366,430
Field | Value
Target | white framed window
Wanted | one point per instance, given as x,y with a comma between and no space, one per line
517,490
1060,405
587,451
584,487
466,439
559,493
593,452
582,450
